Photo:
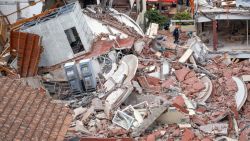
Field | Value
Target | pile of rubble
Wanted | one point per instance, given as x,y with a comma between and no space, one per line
140,87
154,94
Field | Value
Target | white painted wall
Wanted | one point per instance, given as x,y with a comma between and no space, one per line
26,13
54,39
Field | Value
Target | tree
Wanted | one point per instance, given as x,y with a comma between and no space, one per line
154,16
183,16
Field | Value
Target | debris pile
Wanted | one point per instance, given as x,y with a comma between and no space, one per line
131,85
150,96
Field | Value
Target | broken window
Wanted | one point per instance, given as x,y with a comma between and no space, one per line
74,40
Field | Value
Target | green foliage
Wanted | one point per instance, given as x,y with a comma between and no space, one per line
154,16
182,16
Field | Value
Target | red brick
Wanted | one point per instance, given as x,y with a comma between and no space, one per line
117,131
206,139
180,74
198,86
190,75
234,110
244,135
199,120
176,133
184,110
188,135
201,109
170,139
151,137
179,101
168,83
153,81
227,73
231,85
191,80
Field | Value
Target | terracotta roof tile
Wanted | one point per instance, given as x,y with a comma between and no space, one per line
27,47
27,114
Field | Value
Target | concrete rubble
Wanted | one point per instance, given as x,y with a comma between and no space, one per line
148,88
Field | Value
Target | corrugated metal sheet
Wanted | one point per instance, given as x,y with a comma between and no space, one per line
27,47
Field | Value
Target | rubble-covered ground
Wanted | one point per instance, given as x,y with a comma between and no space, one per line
170,100
147,89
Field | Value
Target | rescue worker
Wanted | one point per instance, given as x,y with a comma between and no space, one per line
176,34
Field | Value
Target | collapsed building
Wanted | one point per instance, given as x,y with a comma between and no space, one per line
93,74
224,27
70,32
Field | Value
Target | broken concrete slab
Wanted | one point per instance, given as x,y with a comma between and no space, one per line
97,104
173,116
142,108
184,125
124,74
241,94
80,128
224,138
205,93
107,75
192,60
138,46
186,55
89,112
161,72
79,111
137,87
101,116
215,128
245,78
116,98
165,69
117,77
156,112
152,30
200,50
191,105
132,63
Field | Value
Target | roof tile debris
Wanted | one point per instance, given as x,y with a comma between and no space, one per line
28,114
27,47
138,86
204,95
